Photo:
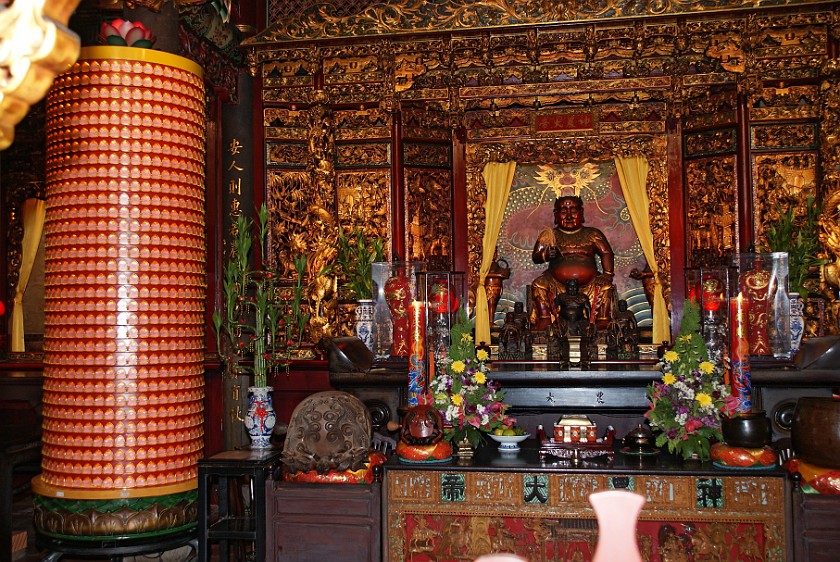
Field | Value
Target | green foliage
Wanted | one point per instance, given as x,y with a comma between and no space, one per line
687,403
801,242
297,316
250,323
355,255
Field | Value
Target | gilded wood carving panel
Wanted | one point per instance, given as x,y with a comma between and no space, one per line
428,197
773,137
781,181
363,200
711,209
513,85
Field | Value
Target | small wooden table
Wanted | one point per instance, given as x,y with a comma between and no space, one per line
232,525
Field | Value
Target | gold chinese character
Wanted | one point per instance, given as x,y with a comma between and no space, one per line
233,166
235,147
235,186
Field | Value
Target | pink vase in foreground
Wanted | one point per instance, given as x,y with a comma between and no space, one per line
617,513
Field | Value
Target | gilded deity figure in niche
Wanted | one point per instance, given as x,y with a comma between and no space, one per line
569,249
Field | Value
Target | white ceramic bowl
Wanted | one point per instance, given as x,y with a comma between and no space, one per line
510,443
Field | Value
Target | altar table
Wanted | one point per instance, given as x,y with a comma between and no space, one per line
540,510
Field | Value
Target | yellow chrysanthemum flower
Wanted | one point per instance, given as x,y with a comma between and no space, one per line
703,398
466,338
707,367
668,378
458,366
482,355
671,356
480,377
686,337
457,399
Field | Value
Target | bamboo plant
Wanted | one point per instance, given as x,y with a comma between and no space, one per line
800,241
355,256
252,313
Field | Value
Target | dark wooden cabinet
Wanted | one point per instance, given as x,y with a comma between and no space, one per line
320,522
816,527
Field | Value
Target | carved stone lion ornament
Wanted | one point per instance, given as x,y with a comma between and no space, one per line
328,431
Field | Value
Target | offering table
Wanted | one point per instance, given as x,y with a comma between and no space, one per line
540,510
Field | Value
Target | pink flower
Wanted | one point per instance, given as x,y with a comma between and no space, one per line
692,425
126,33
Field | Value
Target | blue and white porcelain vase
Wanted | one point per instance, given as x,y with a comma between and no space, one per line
260,417
364,322
797,322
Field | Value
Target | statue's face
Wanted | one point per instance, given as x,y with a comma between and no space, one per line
568,214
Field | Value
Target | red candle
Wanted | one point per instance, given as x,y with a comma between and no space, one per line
416,353
739,347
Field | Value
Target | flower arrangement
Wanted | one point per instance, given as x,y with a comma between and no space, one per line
469,402
126,34
686,405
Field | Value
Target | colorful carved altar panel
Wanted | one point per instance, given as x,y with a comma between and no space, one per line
781,181
449,515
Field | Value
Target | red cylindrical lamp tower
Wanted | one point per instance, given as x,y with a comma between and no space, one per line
125,285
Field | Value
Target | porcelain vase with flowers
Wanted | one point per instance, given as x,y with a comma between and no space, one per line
470,403
252,326
688,402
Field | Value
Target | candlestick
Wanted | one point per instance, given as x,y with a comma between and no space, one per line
417,353
739,346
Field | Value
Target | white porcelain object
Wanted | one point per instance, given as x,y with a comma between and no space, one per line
364,322
260,417
509,443
617,512
797,322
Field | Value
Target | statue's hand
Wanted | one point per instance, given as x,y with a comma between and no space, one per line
550,252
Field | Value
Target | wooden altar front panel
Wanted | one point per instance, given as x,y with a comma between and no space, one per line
455,514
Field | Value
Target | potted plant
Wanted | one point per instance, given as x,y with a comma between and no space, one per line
251,326
800,241
355,255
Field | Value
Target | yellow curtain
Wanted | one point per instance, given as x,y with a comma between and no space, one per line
34,212
632,174
497,177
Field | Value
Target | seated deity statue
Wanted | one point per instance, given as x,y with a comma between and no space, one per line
574,312
515,336
569,249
